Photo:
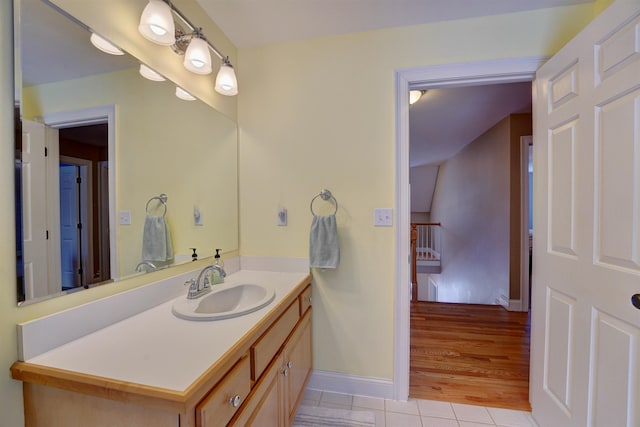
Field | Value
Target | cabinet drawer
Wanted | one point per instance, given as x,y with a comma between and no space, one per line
224,400
263,351
305,300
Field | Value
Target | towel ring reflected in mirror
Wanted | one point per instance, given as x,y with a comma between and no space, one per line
326,196
163,200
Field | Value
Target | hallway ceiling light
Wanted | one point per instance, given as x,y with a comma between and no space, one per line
105,45
157,24
150,74
415,95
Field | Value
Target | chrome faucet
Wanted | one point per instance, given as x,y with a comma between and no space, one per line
145,265
201,285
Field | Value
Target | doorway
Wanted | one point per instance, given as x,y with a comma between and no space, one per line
502,71
83,149
95,128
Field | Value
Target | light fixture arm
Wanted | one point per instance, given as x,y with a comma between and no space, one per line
197,31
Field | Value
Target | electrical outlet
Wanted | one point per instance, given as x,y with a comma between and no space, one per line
383,217
125,217
197,216
282,217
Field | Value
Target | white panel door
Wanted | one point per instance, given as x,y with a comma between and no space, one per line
585,343
34,212
69,220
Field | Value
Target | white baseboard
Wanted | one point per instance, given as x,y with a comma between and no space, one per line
351,384
503,301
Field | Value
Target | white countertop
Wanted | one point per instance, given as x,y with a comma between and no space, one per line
156,348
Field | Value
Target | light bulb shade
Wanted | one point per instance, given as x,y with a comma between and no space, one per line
104,45
226,82
156,23
415,95
197,58
183,94
150,74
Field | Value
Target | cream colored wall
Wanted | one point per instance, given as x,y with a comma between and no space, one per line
320,114
471,201
163,145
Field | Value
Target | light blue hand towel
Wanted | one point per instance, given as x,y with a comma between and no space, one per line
156,240
324,247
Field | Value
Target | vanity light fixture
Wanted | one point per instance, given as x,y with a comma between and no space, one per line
197,58
226,82
157,24
105,45
415,95
183,94
150,74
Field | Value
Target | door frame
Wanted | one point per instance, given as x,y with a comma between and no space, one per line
525,296
438,76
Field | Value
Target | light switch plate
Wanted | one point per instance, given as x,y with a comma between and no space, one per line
282,217
383,217
125,217
197,216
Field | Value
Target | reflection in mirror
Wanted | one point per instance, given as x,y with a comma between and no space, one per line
114,140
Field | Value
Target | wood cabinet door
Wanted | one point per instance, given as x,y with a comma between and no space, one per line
297,364
265,407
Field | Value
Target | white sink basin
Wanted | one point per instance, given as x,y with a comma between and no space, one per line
224,302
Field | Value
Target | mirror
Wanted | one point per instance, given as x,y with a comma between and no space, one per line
132,138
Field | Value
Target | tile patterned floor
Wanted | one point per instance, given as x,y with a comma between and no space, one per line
420,413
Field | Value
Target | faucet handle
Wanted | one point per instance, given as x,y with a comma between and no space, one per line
193,287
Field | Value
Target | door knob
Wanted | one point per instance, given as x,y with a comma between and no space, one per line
635,300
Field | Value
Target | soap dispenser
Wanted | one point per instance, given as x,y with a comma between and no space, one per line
217,278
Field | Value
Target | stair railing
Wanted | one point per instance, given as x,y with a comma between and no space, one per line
425,246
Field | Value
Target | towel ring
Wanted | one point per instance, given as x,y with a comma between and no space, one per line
326,196
163,200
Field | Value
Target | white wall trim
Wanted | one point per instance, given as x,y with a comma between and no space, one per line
439,76
88,116
351,384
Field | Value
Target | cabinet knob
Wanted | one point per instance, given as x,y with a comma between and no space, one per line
635,301
285,372
309,300
289,364
235,401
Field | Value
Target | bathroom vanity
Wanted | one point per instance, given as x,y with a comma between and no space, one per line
154,369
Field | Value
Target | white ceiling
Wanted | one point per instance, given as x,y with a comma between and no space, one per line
444,121
251,23
55,48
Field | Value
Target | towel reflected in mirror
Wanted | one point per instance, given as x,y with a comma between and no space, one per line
156,240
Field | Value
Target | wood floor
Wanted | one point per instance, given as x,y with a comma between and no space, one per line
474,354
